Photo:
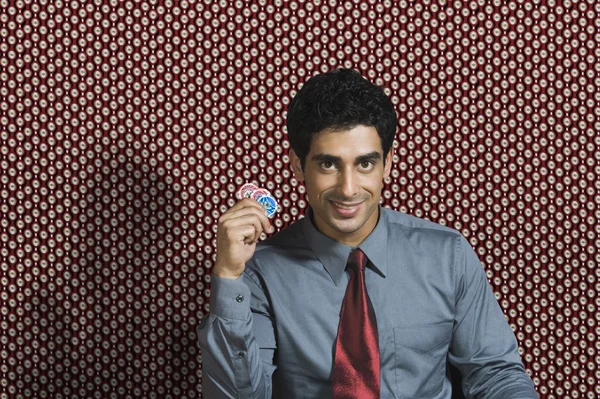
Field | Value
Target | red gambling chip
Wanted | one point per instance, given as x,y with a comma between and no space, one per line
246,191
257,193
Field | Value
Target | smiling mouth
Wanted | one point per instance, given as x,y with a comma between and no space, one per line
345,206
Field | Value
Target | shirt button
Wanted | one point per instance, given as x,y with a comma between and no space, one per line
241,355
239,298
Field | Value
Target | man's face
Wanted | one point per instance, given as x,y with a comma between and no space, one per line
343,175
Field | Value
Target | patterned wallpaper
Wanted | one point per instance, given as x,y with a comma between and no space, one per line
127,126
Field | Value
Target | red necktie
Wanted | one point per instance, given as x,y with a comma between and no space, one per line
356,362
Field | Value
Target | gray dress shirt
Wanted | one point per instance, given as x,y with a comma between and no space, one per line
271,332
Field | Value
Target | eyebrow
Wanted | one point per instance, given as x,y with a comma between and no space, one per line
372,156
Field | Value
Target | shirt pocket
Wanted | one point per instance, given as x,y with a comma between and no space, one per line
420,356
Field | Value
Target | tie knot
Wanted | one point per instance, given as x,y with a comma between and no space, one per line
357,260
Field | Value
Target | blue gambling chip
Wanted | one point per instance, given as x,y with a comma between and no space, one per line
269,203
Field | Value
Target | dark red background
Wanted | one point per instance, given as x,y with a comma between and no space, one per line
127,126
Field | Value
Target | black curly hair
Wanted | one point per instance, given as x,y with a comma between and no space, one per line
336,100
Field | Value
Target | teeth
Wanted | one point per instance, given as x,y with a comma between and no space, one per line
344,206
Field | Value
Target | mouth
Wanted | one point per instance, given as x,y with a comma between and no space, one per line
346,209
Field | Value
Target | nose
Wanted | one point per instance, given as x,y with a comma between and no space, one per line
347,184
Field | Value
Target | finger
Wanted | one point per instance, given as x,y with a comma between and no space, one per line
259,212
245,203
248,202
249,233
238,227
245,233
264,219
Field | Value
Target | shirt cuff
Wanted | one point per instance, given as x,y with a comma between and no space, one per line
230,298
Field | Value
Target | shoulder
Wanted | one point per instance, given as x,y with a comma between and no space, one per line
402,222
432,240
425,250
284,246
289,237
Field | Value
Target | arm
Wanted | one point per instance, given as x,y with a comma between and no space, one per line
237,342
483,346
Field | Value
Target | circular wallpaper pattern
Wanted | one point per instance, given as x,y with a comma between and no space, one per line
127,126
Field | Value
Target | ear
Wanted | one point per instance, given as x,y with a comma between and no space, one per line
296,166
388,163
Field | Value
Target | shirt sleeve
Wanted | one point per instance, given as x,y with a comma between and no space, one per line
237,340
483,346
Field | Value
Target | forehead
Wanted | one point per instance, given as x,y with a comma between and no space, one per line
347,143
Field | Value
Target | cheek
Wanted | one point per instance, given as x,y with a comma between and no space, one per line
317,183
374,184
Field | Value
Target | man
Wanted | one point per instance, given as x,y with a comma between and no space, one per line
354,300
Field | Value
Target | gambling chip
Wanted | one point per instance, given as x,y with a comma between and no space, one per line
269,202
246,191
261,195
259,192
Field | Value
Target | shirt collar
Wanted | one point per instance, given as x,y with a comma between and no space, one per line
334,255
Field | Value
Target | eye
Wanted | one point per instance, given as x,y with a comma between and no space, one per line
367,164
327,164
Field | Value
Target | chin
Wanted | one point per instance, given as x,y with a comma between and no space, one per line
347,226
